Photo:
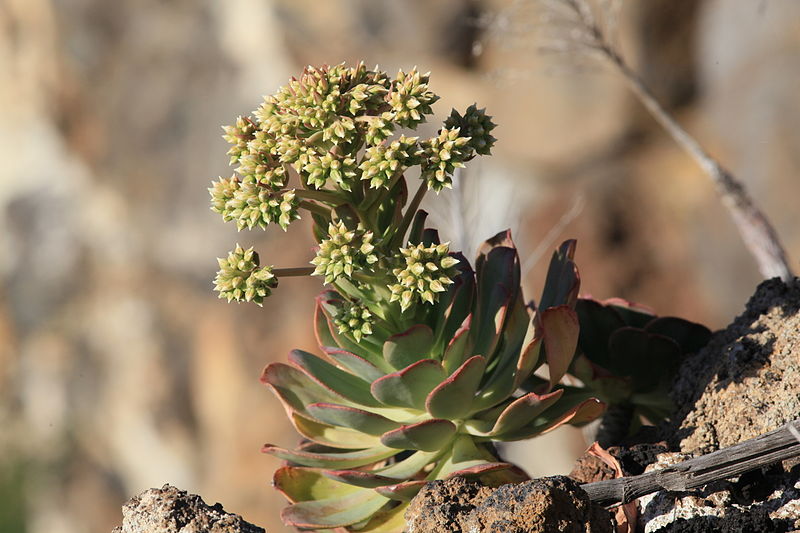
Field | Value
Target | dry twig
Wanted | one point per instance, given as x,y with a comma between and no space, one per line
587,27
778,445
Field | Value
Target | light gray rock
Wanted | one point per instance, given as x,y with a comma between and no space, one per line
171,510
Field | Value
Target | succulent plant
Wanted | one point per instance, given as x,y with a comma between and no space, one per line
628,357
383,416
424,361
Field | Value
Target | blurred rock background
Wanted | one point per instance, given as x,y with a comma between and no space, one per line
119,368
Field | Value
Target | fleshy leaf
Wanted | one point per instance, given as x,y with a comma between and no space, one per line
404,491
295,387
339,381
302,484
345,459
322,325
458,348
351,417
524,410
359,478
428,436
387,521
597,323
690,336
355,364
643,356
393,473
634,314
410,386
562,282
489,317
529,360
339,437
407,348
501,381
578,414
452,399
560,329
334,512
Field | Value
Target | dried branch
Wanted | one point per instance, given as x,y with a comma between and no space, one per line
587,27
778,445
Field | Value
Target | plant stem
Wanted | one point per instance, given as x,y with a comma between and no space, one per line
316,208
292,272
320,196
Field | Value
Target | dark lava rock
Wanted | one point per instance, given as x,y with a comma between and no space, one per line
443,505
170,510
554,504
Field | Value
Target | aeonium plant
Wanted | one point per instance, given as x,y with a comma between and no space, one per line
422,356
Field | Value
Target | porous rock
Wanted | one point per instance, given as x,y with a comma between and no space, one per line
766,501
171,510
444,505
553,504
746,381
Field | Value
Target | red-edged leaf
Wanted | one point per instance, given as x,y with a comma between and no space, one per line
343,383
560,329
501,373
334,512
407,348
529,360
337,437
458,348
355,364
584,412
403,492
428,436
344,459
524,410
479,470
295,389
410,386
563,281
302,484
452,399
359,478
351,417
489,317
322,326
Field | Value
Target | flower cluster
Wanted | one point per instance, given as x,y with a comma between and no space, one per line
250,205
241,279
444,154
330,142
476,125
384,161
354,319
427,270
343,252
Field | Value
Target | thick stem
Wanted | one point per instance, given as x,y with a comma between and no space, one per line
316,208
320,196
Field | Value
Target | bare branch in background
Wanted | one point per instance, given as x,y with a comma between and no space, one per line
586,28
